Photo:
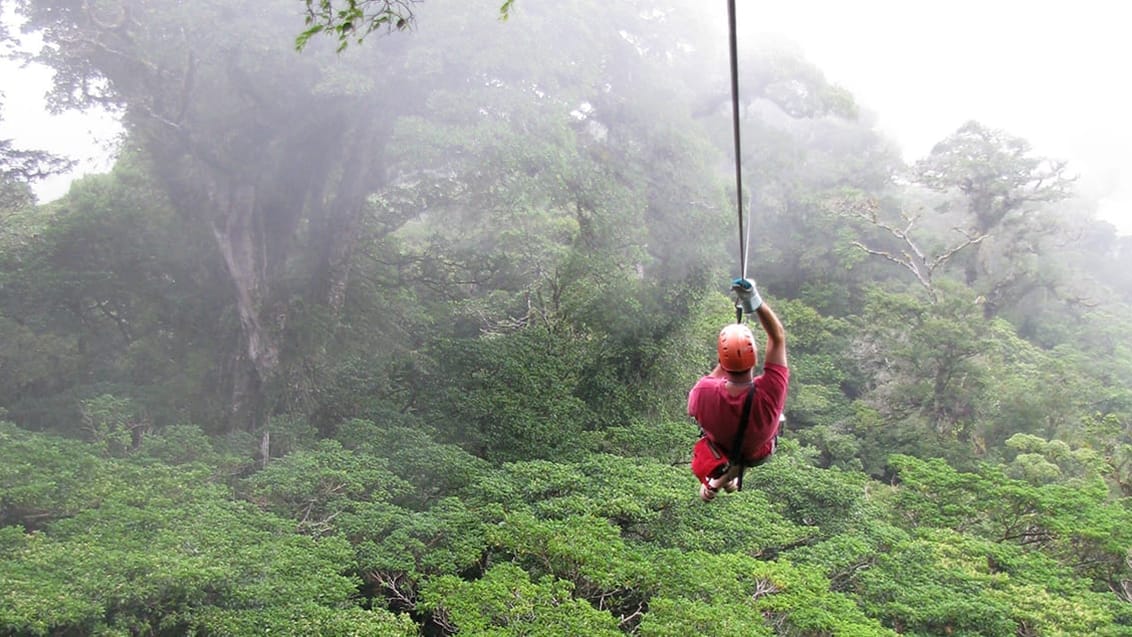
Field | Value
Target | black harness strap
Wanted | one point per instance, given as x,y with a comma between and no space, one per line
736,454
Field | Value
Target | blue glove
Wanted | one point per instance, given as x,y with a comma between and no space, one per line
746,295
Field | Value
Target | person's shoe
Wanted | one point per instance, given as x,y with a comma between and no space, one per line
719,483
707,494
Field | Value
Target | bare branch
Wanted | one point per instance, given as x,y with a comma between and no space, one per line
911,257
392,583
972,239
630,618
763,587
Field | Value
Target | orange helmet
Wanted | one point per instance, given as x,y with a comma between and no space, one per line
737,350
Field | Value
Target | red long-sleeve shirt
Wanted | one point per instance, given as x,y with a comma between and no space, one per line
718,412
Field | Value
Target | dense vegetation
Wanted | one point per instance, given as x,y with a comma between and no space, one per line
396,340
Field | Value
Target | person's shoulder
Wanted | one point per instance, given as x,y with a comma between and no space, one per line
709,381
776,371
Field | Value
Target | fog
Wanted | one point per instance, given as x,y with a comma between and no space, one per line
398,338
1042,70
1037,70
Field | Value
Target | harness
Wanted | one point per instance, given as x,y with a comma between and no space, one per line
734,455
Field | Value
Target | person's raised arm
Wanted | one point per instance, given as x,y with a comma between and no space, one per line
752,303
775,335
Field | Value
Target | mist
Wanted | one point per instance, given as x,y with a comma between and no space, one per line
393,333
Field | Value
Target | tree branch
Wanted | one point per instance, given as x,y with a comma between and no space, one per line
911,257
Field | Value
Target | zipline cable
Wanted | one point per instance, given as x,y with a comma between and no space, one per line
735,125
743,240
750,224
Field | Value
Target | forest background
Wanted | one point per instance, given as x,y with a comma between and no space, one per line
395,338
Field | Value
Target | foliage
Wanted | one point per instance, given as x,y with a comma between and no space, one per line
166,549
433,469
602,545
942,582
506,602
45,479
398,339
516,398
112,423
315,486
107,297
1072,521
19,167
353,20
180,444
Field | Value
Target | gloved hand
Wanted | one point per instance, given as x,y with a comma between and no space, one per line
746,295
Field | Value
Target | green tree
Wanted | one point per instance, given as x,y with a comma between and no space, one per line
1071,520
821,367
94,545
316,486
1004,189
926,373
352,20
994,171
110,293
206,90
506,602
1111,436
494,398
45,478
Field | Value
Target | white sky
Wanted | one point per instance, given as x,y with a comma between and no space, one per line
1050,72
1053,73
88,139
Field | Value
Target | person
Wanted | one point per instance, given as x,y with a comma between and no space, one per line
716,401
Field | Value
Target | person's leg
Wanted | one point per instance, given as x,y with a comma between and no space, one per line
707,465
727,480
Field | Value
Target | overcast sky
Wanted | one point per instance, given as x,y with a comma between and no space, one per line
1053,73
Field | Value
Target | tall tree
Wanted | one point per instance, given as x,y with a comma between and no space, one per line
1005,188
577,193
273,153
119,295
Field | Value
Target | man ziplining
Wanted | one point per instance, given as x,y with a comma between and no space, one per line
719,401
739,414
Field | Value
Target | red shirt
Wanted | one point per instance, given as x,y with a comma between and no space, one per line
718,412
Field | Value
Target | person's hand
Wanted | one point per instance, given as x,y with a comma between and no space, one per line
746,295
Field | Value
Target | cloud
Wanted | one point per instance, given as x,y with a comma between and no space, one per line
1045,71
1049,72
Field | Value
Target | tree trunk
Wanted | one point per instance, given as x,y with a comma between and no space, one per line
239,237
344,215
